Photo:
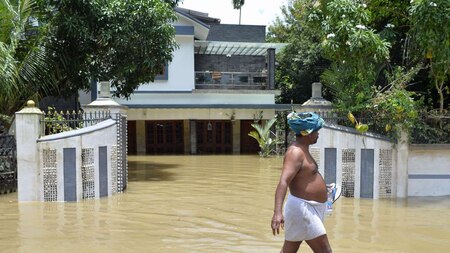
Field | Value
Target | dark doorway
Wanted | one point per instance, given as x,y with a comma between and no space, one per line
248,144
164,137
131,128
214,137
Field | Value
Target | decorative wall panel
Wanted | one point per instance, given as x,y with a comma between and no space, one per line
385,177
49,171
87,173
348,172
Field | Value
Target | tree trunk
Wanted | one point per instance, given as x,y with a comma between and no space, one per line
240,15
441,101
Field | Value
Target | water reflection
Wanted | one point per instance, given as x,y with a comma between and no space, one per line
212,204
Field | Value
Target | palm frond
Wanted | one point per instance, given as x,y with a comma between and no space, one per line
8,70
26,64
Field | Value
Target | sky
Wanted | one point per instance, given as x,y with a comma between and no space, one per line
254,12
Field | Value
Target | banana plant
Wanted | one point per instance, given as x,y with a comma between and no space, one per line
263,136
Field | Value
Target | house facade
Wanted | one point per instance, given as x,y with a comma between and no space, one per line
220,81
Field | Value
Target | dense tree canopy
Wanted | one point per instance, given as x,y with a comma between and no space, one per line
300,64
127,42
355,50
430,30
57,47
387,59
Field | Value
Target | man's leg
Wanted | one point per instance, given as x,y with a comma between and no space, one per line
320,244
290,247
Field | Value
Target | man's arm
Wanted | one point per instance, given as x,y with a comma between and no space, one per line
291,166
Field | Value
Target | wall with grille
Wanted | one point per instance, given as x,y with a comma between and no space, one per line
363,164
81,164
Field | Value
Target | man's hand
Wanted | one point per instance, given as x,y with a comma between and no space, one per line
330,187
277,220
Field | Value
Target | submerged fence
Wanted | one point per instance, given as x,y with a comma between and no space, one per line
71,156
57,122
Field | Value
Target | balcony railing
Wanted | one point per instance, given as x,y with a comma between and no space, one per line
230,80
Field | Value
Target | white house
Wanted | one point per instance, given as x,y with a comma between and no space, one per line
220,81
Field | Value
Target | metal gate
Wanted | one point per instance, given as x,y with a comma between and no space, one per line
8,164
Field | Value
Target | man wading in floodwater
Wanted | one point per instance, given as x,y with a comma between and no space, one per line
305,205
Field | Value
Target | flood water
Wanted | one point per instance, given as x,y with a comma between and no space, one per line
212,204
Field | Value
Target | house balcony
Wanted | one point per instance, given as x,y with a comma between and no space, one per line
230,80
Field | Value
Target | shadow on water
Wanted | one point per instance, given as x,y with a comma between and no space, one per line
150,171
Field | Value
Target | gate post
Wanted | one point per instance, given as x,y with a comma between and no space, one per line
118,112
28,130
402,165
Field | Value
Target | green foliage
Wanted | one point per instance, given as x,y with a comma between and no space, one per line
237,4
355,51
431,32
380,56
5,122
56,122
300,63
428,130
395,108
263,136
25,66
126,42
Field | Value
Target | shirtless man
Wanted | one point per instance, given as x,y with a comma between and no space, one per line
305,206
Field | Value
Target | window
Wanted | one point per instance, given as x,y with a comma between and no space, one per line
164,74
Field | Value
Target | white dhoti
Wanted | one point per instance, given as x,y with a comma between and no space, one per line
303,219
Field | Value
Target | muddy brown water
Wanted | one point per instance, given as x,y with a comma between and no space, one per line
212,204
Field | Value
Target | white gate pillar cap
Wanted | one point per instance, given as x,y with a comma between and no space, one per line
30,108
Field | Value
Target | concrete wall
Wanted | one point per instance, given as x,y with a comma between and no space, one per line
429,170
397,169
350,151
197,98
65,154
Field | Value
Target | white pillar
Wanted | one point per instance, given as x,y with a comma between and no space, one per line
402,165
105,103
28,130
316,90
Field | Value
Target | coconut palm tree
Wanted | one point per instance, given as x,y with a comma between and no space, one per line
237,4
24,65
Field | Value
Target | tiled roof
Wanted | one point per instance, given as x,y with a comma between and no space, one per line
201,16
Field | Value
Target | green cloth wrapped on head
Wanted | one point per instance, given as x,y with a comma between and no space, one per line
304,123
